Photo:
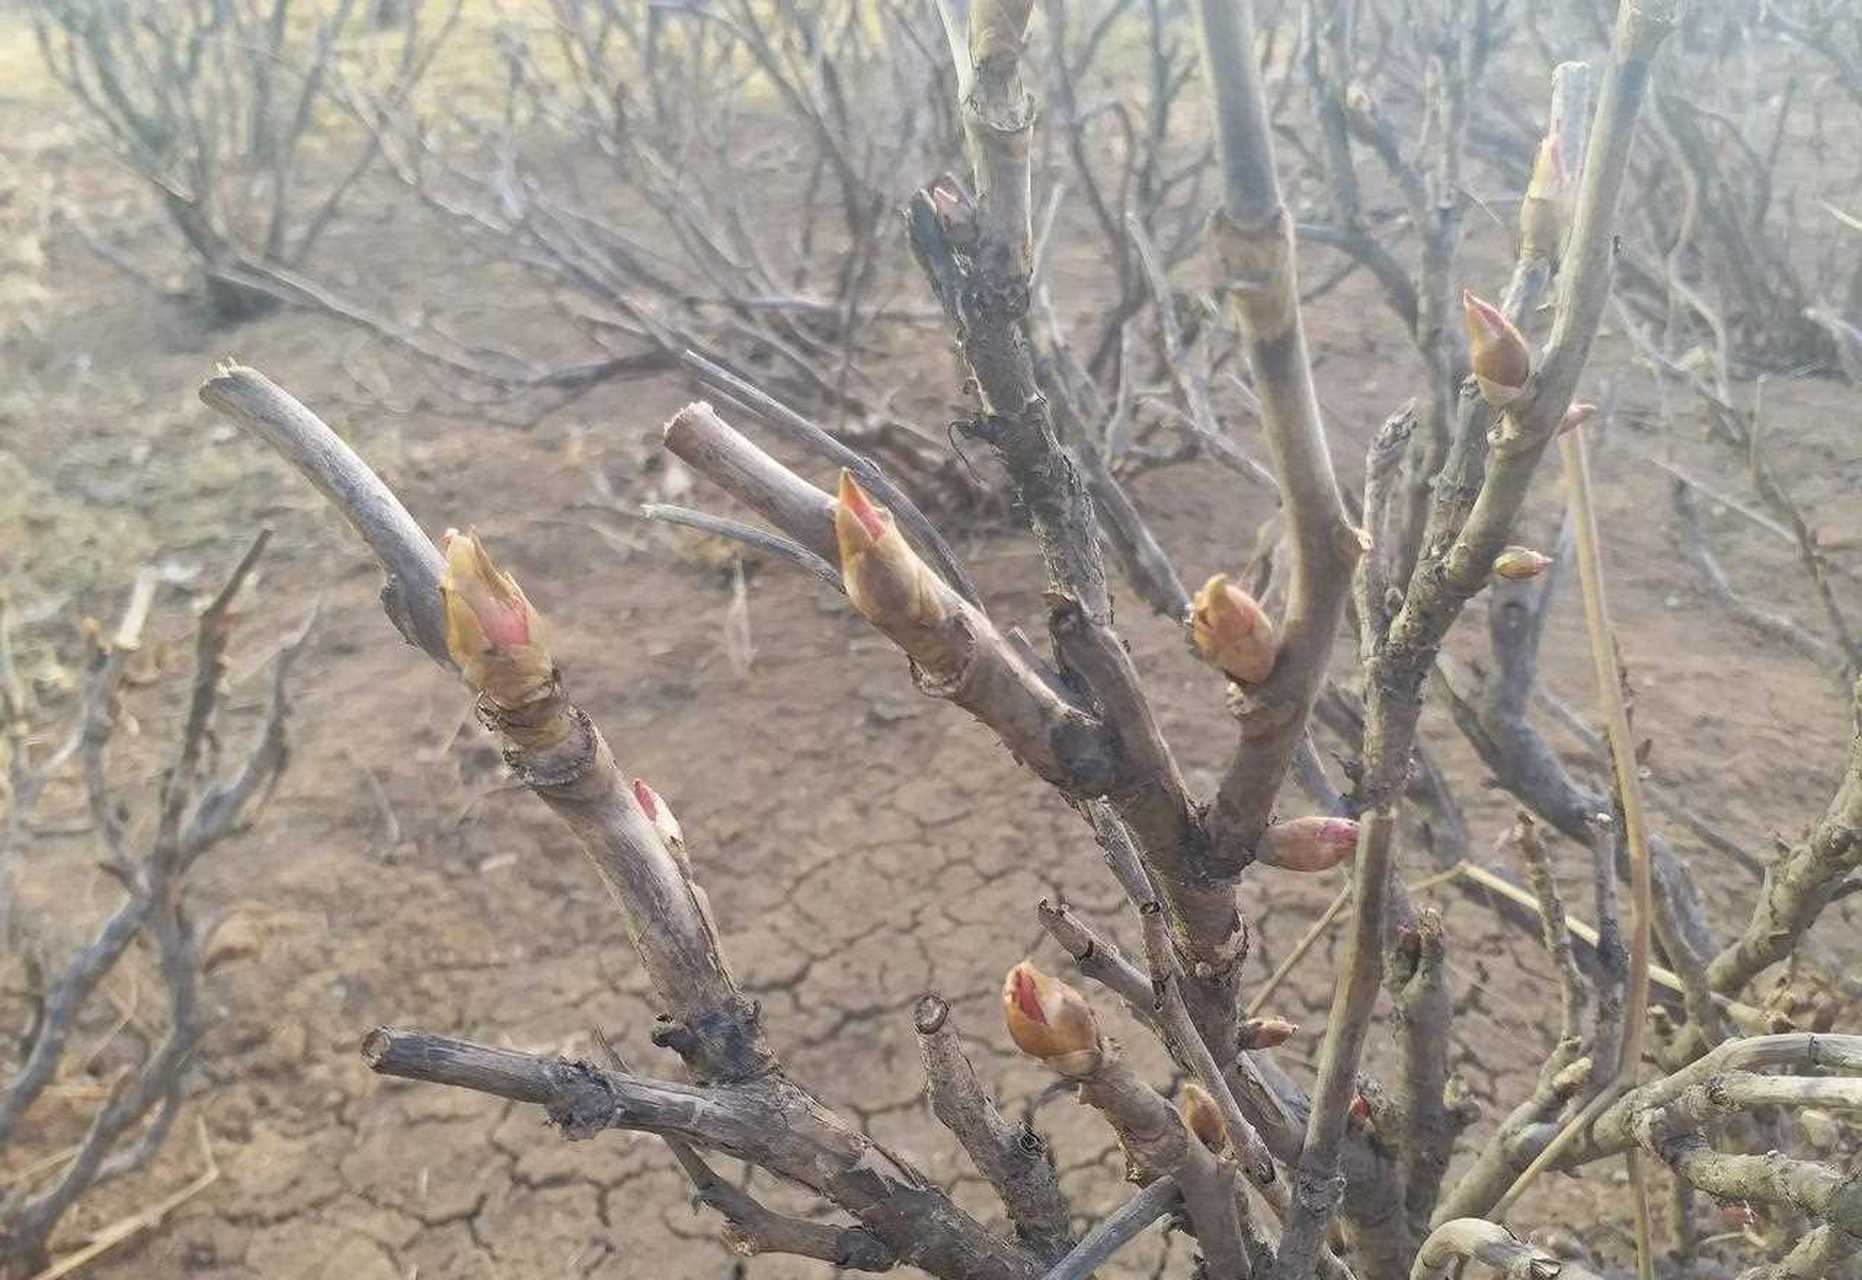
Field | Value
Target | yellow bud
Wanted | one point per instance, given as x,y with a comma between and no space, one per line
1049,1020
1519,563
1232,631
1308,844
1573,1078
998,28
492,632
1546,210
886,581
1497,353
1201,1116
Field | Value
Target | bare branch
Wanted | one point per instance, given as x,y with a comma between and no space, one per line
1431,1104
1629,800
1320,1187
798,430
411,595
1800,883
1013,1158
1489,1243
1774,626
1253,238
1556,935
768,1122
750,536
1117,1229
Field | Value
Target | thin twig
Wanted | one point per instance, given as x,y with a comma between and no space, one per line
124,1228
761,539
798,430
1326,920
1629,796
1116,1230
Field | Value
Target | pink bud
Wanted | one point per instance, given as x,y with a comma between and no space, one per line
1497,353
492,632
1232,631
1308,844
1051,1021
1554,162
659,813
954,210
885,578
857,503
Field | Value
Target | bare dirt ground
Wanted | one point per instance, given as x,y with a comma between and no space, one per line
860,843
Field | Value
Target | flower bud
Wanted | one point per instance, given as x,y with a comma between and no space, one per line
1547,206
1496,352
1232,631
659,813
1265,1033
492,632
1201,1116
998,29
1571,1079
1308,844
1516,564
887,582
956,212
1822,1130
1576,416
1360,1114
1049,1020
